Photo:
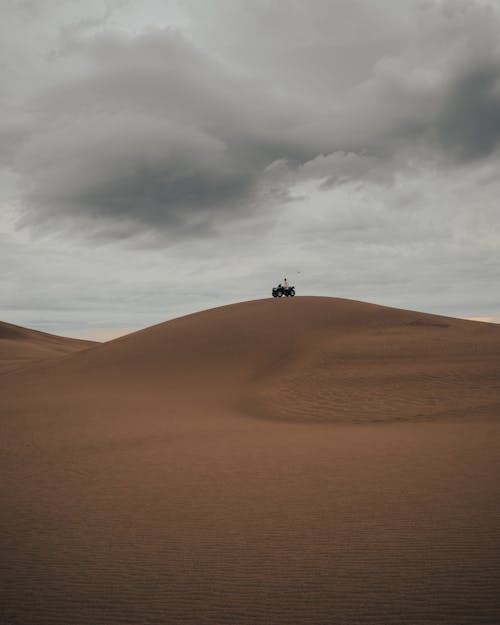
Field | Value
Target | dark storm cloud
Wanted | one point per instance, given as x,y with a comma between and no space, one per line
468,125
128,165
154,132
449,82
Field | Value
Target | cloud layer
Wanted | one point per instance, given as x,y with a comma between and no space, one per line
154,131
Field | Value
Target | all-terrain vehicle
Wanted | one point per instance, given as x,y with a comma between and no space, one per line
279,291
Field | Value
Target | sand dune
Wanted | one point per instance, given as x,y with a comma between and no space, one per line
20,346
313,460
307,359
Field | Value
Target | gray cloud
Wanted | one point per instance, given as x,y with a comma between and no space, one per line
443,93
127,165
152,131
468,124
155,133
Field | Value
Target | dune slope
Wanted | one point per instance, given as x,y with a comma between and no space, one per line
21,346
207,471
307,359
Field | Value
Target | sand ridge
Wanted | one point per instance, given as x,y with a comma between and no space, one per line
21,347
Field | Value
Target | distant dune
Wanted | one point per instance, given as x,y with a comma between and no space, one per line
299,461
20,346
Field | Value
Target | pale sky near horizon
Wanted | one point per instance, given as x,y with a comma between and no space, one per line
160,157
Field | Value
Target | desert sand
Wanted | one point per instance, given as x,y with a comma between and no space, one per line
295,461
20,347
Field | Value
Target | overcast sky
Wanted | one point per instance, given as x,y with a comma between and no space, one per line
161,157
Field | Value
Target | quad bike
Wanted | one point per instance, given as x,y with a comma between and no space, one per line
279,291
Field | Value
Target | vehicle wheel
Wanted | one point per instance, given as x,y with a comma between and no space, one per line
292,293
275,295
280,294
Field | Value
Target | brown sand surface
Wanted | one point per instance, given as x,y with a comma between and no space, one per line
312,460
20,347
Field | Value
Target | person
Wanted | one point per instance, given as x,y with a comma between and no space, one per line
285,283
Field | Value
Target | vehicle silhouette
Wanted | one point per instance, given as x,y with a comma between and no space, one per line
279,291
